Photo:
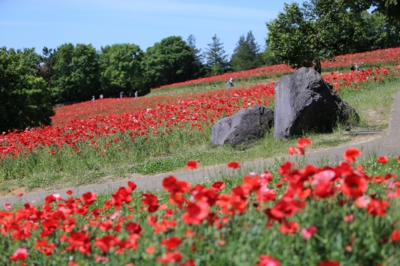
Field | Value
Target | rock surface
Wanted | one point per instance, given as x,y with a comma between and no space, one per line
243,127
305,102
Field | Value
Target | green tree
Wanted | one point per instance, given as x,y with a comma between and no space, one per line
24,96
381,31
46,68
389,8
76,74
316,32
169,61
198,55
121,70
216,59
268,58
246,54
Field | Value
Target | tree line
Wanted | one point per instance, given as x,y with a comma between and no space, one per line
31,84
318,30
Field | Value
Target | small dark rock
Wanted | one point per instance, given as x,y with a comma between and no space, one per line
243,127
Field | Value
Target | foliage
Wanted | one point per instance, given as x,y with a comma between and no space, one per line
24,97
381,31
46,68
216,59
390,8
171,60
198,55
121,70
268,58
305,36
246,54
76,73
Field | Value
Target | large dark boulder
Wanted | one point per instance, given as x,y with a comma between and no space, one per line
305,102
243,127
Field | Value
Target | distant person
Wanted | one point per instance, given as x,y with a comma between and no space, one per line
93,98
121,94
101,96
357,68
230,82
352,67
136,94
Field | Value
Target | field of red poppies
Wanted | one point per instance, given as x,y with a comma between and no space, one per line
373,58
86,122
343,214
324,216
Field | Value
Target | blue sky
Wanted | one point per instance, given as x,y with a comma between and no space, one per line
51,23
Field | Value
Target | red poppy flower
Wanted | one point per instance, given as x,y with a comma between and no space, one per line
398,160
171,243
328,263
150,249
289,227
188,263
191,165
348,218
89,197
285,167
79,241
382,159
303,142
234,165
307,233
106,242
20,254
377,207
351,153
172,185
218,186
265,194
291,150
69,192
354,186
195,212
395,235
170,257
105,226
266,260
151,201
133,228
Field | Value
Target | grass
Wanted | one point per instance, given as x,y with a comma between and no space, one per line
39,170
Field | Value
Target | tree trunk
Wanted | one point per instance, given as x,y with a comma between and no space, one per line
317,66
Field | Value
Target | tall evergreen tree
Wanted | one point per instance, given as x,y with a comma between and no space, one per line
216,59
246,54
46,68
198,55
